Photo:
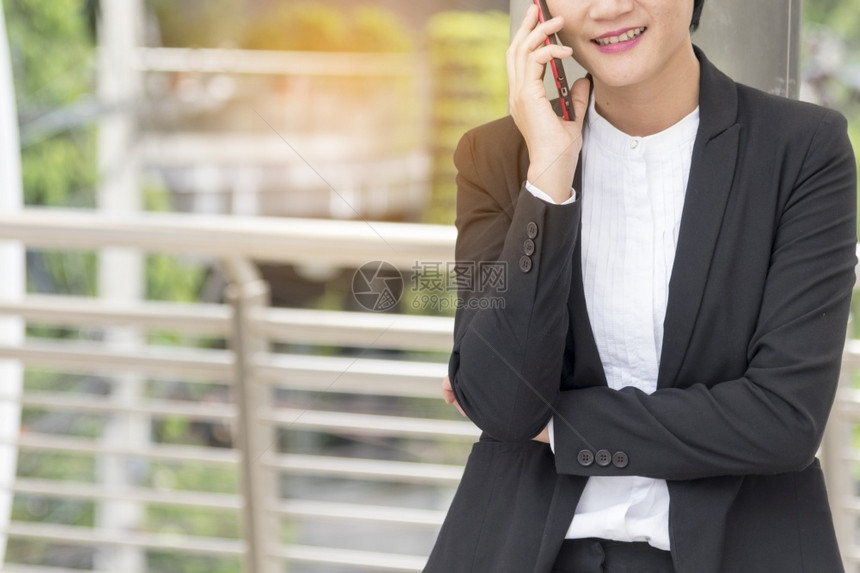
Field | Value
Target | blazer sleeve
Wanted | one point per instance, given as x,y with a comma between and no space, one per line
505,367
771,419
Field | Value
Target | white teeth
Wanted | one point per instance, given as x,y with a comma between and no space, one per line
628,35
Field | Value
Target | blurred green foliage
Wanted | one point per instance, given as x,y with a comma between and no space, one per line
52,62
52,55
301,26
51,51
199,522
170,278
843,16
467,66
192,477
162,562
831,68
313,26
196,23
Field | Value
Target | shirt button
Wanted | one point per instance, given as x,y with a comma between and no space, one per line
525,264
634,143
620,460
603,458
532,229
529,247
585,458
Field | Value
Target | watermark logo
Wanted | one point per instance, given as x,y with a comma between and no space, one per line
436,286
377,286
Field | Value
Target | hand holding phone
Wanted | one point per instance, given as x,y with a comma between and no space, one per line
557,67
553,144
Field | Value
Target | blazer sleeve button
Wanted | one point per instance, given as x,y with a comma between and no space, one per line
603,458
525,264
528,247
585,458
532,229
620,460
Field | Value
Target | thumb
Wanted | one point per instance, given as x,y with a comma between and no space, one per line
580,91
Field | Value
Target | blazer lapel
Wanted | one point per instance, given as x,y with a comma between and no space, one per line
568,490
586,368
712,170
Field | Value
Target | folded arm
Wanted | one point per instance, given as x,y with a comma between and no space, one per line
506,363
770,419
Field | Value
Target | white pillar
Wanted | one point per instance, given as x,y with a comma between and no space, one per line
11,280
121,271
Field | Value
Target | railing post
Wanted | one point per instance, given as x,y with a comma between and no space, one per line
121,271
11,282
247,292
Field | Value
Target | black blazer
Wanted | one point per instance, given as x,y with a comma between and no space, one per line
758,303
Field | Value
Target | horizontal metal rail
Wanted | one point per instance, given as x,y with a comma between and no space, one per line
21,568
369,424
349,558
345,64
77,311
32,441
304,419
847,402
87,403
851,354
340,512
300,508
850,504
356,329
357,468
362,468
78,356
297,508
86,536
297,241
371,179
310,373
331,328
352,375
91,492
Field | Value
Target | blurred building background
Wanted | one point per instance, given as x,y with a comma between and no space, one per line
297,112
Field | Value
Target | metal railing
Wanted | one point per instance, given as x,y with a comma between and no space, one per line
272,353
257,374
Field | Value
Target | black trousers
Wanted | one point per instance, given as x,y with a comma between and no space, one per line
604,556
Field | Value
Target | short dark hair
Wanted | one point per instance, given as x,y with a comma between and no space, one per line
697,13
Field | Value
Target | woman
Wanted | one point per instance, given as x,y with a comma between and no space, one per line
656,384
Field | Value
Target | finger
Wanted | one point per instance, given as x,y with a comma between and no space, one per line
579,93
543,436
512,56
536,42
447,391
538,36
527,25
544,54
535,67
457,404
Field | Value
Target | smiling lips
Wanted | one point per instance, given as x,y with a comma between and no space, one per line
625,36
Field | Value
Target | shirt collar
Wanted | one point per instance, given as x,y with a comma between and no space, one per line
613,139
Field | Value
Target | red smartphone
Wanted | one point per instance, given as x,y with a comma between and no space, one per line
557,68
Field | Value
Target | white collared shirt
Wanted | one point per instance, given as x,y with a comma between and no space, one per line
632,196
